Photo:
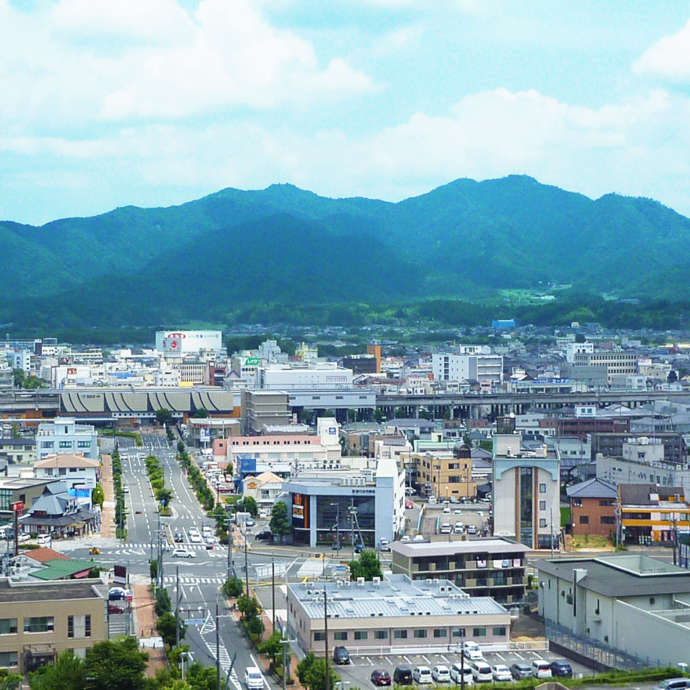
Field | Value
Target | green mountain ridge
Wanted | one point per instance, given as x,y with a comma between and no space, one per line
288,245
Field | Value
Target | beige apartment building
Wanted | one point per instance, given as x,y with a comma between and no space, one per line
40,620
444,474
395,615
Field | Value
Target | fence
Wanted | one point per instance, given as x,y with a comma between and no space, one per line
602,655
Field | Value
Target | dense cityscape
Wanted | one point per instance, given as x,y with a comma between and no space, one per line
213,503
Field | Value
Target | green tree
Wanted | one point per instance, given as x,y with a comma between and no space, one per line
164,416
233,587
97,495
67,673
115,665
248,607
316,675
248,505
279,524
304,666
163,603
367,566
166,625
255,626
201,413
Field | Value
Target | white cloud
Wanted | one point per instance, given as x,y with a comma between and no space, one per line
668,58
80,61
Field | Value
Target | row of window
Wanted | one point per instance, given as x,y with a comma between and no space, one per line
418,634
604,519
66,444
77,626
285,442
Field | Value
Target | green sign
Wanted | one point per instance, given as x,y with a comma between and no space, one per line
251,362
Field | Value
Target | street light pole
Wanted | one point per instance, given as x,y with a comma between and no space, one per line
246,568
325,633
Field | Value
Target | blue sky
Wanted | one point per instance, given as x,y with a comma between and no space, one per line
155,102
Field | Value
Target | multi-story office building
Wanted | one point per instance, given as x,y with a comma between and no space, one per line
394,615
481,567
321,504
324,376
40,620
64,435
526,492
485,368
264,408
445,474
614,361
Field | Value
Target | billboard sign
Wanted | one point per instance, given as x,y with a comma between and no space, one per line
300,510
120,575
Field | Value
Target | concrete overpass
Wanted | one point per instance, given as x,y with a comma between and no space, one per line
475,405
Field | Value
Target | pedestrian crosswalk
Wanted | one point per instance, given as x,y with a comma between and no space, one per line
187,580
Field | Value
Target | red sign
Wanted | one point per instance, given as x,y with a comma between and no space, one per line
17,506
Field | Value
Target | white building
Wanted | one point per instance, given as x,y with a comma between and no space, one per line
485,368
75,470
64,435
324,376
526,492
265,488
573,349
188,342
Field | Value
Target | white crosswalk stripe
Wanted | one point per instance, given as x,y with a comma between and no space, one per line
187,580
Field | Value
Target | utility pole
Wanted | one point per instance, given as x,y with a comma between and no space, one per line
273,592
675,540
551,528
325,633
217,650
229,548
177,605
246,568
462,665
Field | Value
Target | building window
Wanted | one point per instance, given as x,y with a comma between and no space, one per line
458,632
542,522
83,444
361,634
608,520
577,502
478,632
400,634
381,635
440,632
319,636
8,626
65,444
340,635
584,519
79,626
46,444
39,624
419,634
500,631
8,659
542,505
542,488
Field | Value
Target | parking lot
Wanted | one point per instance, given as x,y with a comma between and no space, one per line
358,672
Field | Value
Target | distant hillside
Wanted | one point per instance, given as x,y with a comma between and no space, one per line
284,244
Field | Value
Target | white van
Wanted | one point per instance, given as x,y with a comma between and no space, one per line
457,671
481,672
44,539
445,528
541,668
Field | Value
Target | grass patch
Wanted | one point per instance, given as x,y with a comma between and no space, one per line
589,541
565,517
124,434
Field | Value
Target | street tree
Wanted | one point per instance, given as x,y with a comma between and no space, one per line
97,495
279,524
164,416
115,665
367,566
67,673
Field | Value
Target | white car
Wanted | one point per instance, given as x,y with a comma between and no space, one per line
441,674
384,545
541,668
472,651
195,538
456,673
446,509
481,671
207,531
422,675
419,537
445,528
502,673
253,678
182,553
405,539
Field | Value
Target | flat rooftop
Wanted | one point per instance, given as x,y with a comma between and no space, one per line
14,591
444,548
395,596
621,575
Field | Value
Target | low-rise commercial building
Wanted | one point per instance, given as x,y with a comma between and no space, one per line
445,474
64,435
628,604
18,451
40,620
356,504
481,567
395,615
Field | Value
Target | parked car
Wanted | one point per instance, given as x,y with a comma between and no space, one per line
445,528
409,505
195,538
472,651
422,675
502,673
115,593
471,529
249,522
446,509
560,667
359,548
178,537
116,607
44,539
385,546
341,655
265,535
209,542
405,539
541,668
402,675
182,553
673,684
253,678
409,491
457,671
441,674
419,537
379,677
459,528
481,671
520,671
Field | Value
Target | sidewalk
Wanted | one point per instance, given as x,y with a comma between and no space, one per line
146,628
108,512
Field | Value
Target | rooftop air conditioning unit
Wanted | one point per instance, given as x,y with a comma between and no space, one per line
360,581
377,580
